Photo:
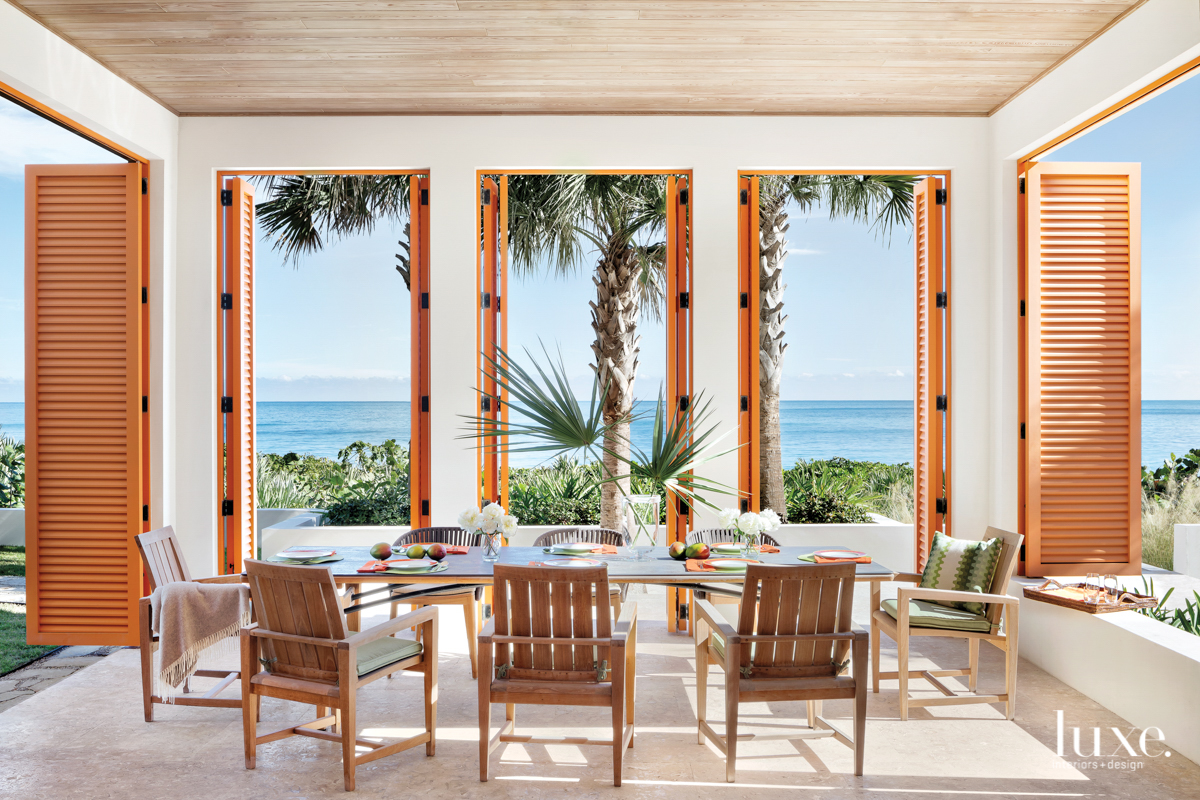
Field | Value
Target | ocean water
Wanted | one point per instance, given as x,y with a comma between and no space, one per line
861,430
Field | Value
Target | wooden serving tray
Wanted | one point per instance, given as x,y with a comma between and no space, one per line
1071,595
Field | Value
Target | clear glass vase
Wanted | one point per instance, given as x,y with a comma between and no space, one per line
640,514
492,542
750,546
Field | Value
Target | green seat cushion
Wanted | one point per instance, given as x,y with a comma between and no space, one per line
926,614
961,565
381,652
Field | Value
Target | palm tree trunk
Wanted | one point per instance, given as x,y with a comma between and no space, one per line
773,253
614,321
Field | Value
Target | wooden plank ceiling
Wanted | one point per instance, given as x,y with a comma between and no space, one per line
553,56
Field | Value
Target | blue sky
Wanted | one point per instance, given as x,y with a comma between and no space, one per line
337,326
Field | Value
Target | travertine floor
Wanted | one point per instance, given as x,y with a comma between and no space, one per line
85,738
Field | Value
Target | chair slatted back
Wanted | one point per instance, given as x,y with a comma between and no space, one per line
1010,550
162,556
801,599
721,535
552,602
452,535
302,601
568,535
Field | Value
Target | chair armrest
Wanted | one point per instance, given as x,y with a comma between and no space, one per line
707,612
918,593
624,624
489,630
908,577
221,579
253,630
385,629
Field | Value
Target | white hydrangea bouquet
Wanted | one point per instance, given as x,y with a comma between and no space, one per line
494,523
748,526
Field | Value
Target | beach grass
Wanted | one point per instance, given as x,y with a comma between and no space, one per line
14,652
12,561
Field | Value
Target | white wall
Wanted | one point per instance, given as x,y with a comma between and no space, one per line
1149,43
452,148
42,66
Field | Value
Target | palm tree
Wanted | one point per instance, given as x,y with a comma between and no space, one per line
556,221
881,200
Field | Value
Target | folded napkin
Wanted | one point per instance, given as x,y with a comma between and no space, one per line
451,549
812,559
191,619
380,566
696,565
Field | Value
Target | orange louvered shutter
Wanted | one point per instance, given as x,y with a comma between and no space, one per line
1082,369
418,284
493,333
83,403
749,256
929,464
237,401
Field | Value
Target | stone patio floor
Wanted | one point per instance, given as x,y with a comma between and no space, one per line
85,737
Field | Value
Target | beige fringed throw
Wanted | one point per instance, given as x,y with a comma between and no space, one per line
195,620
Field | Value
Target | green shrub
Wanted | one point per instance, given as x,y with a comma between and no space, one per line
12,473
839,490
369,511
808,509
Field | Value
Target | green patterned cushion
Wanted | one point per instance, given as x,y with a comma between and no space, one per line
381,652
961,565
924,614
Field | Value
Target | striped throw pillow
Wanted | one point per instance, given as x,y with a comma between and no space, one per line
962,565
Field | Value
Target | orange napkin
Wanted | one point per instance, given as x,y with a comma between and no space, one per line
379,566
762,548
606,550
859,560
451,549
696,565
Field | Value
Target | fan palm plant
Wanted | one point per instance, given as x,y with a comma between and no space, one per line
883,201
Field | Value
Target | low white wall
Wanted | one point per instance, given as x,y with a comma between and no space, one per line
887,542
266,517
1144,670
12,526
1187,550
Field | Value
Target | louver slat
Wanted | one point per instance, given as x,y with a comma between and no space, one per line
83,429
239,376
1083,379
928,459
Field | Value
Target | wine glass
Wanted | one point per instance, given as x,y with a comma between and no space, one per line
1092,588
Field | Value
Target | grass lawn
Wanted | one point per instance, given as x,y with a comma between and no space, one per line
12,561
14,652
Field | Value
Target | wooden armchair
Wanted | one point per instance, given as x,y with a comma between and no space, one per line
459,595
311,657
918,612
164,564
726,593
542,646
617,593
793,644
718,535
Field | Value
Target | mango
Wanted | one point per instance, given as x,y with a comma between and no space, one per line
381,551
416,551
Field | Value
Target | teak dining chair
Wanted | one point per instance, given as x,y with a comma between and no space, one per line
451,594
310,657
921,612
164,564
726,593
543,646
616,592
794,644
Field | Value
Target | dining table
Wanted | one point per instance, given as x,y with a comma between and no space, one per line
369,589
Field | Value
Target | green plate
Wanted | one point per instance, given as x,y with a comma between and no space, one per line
727,564
727,549
418,570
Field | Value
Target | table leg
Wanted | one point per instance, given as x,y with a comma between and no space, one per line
354,618
876,590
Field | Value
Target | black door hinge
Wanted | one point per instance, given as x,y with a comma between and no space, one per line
498,298
1022,308
683,507
943,300
683,197
227,197
1022,430
145,404
487,300
684,300
226,508
745,403
424,300
943,402
683,403
424,197
226,405
745,506
744,300
424,404
1021,186
424,508
485,404
744,197
683,611
145,295
486,197
940,196
226,301
145,513
942,505
145,186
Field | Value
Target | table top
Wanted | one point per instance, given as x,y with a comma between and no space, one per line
660,568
